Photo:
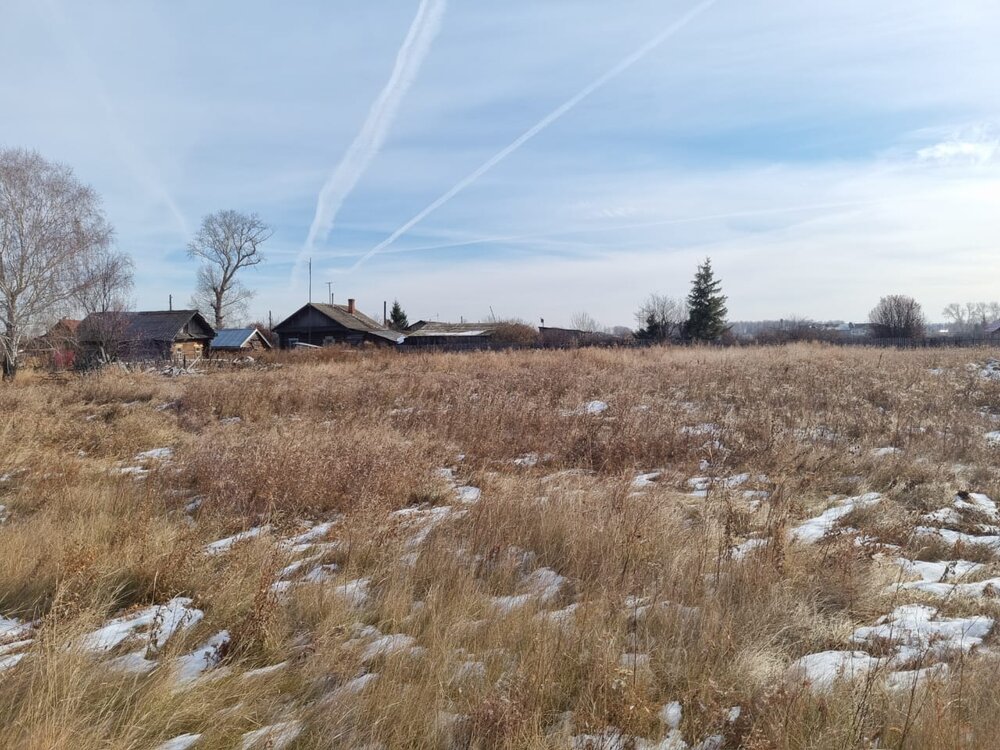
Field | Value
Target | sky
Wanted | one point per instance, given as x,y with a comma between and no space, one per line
532,159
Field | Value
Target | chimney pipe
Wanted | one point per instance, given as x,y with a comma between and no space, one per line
350,305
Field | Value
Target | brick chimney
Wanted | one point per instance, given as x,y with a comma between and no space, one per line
350,306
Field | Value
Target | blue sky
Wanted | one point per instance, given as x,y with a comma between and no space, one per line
823,154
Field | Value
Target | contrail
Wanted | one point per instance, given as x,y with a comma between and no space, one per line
744,214
541,125
142,168
370,138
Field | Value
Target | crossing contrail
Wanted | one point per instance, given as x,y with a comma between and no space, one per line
744,214
370,138
541,125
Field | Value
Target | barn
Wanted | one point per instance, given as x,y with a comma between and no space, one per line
432,333
182,335
239,340
319,324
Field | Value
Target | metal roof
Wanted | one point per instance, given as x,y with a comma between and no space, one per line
436,328
232,338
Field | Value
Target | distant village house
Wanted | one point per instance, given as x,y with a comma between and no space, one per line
317,324
182,335
239,340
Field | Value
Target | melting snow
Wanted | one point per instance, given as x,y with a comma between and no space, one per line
543,585
354,592
646,480
191,666
387,645
468,494
816,528
162,622
156,454
591,408
918,634
822,670
180,742
273,737
224,545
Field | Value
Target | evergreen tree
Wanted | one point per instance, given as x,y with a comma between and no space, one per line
397,318
706,306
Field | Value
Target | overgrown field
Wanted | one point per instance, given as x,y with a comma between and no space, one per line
763,548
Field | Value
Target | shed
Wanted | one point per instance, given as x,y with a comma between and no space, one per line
239,340
434,333
321,324
152,334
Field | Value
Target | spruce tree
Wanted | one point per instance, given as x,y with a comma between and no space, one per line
397,318
706,306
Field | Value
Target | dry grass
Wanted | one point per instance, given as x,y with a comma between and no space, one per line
356,436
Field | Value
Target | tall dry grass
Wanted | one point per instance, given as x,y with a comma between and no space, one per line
356,436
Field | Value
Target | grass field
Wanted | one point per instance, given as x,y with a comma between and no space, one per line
764,548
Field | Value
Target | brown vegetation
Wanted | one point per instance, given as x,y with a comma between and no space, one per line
564,601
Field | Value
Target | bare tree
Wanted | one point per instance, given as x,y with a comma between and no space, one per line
897,316
971,316
51,229
660,317
111,280
583,321
227,242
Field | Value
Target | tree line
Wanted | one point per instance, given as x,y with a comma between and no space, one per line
58,259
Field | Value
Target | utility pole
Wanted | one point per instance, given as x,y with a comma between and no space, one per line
329,291
310,281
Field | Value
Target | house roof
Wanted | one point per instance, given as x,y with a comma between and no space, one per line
992,327
356,321
152,325
437,328
235,338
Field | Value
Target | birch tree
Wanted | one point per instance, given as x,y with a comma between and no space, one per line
52,228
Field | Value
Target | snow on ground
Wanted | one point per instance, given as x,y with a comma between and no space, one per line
814,529
942,578
743,549
155,454
387,645
886,451
224,545
918,633
156,624
191,666
273,737
823,669
354,592
646,480
542,586
180,742
592,408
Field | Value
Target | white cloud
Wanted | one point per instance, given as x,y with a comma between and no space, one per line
980,146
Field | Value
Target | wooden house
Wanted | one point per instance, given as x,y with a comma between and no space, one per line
239,340
317,324
182,335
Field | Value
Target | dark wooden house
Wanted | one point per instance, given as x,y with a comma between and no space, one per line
181,335
239,340
319,324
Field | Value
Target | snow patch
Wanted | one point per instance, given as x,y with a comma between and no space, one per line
816,528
